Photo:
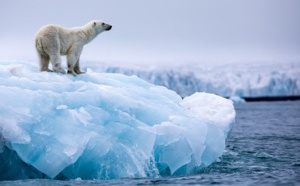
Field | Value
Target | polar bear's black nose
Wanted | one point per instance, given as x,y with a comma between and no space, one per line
109,27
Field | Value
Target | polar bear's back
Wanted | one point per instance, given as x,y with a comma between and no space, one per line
51,32
53,38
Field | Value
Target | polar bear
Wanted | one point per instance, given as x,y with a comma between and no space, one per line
52,41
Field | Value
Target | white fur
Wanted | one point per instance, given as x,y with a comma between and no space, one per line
52,41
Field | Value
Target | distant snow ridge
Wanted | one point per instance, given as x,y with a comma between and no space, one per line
238,80
104,126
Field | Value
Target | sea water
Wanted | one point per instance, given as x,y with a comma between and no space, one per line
263,149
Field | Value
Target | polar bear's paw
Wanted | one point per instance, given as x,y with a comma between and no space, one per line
78,71
59,70
47,70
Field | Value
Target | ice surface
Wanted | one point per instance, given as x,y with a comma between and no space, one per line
259,79
104,126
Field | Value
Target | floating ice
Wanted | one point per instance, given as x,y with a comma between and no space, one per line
237,99
104,126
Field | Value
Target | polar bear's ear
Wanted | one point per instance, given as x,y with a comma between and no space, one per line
94,24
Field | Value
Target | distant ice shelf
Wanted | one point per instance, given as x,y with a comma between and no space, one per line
104,126
240,80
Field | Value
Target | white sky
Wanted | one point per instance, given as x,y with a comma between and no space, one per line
160,30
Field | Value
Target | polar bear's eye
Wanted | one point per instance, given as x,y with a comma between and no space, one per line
103,24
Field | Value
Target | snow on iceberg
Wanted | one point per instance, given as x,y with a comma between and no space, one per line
104,126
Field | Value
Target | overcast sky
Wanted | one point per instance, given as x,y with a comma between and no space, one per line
160,30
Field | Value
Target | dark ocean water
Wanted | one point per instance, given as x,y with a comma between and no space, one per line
263,149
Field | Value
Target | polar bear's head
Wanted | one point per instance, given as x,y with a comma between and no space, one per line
100,26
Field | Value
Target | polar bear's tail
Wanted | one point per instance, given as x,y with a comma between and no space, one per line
39,45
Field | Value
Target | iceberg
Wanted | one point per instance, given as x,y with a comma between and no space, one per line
104,126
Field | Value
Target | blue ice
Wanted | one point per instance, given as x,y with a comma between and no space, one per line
104,126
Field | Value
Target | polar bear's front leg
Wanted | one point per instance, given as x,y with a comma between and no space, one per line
71,65
77,68
73,60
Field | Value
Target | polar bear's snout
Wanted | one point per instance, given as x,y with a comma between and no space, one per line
107,27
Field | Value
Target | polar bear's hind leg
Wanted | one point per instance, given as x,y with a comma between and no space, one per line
42,56
44,62
56,63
